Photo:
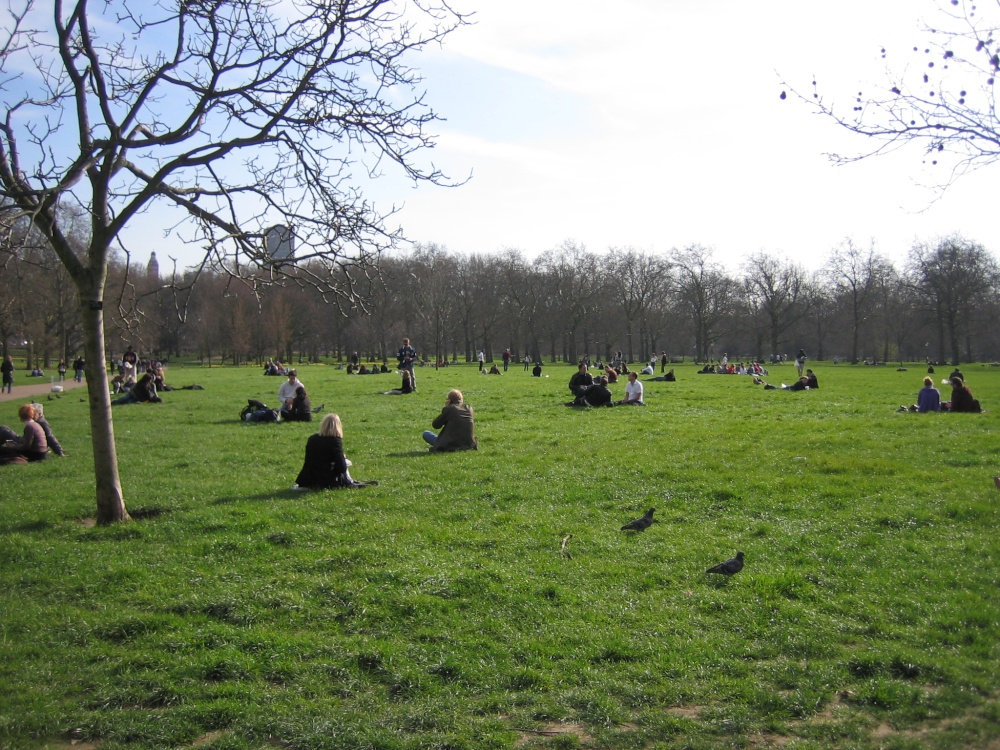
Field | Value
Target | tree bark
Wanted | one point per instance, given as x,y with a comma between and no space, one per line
110,502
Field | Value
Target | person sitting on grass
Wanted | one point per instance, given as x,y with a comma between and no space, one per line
29,447
143,391
581,380
961,397
404,388
325,465
929,398
596,395
300,409
633,392
811,380
286,391
39,416
536,371
457,424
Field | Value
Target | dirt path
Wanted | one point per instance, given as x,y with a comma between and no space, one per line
35,387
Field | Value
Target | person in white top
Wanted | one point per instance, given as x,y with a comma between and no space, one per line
286,392
633,392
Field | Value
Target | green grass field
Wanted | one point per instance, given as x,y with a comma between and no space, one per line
488,599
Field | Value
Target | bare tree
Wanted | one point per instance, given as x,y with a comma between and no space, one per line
241,115
953,280
706,295
854,273
777,288
943,98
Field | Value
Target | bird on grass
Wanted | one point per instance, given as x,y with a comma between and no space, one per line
640,524
319,408
732,566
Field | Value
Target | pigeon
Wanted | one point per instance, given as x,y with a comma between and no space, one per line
640,524
319,408
730,567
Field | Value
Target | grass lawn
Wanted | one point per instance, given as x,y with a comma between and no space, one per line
488,599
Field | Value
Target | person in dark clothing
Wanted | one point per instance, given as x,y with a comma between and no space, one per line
799,385
300,409
457,424
325,465
143,391
597,394
961,397
811,379
581,380
38,415
536,371
405,387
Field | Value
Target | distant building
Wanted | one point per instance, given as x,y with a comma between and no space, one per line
153,267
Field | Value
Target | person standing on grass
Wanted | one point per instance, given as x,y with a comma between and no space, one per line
7,368
32,446
506,358
406,356
78,365
527,362
62,370
663,362
800,361
482,360
457,424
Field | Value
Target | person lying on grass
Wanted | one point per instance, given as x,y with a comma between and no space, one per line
325,465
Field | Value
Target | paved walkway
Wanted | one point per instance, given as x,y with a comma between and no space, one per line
35,387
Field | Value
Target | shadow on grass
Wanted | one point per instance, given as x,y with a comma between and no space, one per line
408,454
274,495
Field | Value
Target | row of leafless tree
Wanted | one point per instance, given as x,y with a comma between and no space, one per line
942,305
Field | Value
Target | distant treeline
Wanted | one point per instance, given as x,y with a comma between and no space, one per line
941,305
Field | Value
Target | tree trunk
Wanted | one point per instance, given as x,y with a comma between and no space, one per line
110,503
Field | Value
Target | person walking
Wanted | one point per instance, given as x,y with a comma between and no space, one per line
7,368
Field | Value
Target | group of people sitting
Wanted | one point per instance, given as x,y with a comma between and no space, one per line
590,391
274,368
730,368
327,467
34,443
929,397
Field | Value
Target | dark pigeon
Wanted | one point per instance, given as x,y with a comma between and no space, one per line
640,524
730,567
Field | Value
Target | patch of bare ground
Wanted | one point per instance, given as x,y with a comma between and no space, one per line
553,729
767,739
207,738
686,712
87,523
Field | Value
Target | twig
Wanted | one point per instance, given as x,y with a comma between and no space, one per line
564,553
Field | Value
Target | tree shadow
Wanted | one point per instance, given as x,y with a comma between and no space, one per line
274,495
408,454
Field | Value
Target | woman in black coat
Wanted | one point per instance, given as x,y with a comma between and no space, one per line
325,465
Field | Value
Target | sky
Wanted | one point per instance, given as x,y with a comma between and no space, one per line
654,124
